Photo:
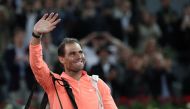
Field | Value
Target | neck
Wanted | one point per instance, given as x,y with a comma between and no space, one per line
75,75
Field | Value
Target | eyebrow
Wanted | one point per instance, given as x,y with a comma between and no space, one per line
76,51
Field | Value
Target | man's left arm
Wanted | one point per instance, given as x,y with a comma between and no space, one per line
107,98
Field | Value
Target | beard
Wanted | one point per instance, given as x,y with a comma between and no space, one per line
76,70
77,67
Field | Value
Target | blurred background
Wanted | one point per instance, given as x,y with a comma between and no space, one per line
140,48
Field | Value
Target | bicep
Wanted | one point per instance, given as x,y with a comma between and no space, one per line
42,75
39,67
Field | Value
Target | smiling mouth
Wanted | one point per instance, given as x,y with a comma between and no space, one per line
79,62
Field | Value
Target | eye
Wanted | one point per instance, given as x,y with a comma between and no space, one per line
72,53
81,52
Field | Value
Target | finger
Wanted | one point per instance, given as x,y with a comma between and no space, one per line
56,22
54,18
50,16
44,16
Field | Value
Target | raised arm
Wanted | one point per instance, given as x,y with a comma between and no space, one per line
40,69
118,43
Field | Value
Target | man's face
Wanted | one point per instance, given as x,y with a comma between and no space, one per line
74,59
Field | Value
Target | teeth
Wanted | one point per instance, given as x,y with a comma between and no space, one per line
79,62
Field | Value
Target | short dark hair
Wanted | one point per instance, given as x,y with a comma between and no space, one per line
61,48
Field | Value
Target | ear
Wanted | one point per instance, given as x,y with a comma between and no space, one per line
61,59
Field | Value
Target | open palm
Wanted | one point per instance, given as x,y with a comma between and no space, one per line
46,24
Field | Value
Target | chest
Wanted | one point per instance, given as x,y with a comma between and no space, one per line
84,94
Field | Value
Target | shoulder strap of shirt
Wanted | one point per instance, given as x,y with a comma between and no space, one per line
67,88
94,79
45,97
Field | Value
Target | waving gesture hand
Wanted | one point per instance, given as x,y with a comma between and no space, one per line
46,24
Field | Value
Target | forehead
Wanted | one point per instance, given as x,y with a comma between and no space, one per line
72,47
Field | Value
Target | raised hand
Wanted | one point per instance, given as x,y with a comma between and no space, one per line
46,24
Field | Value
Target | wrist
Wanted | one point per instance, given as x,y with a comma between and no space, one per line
36,35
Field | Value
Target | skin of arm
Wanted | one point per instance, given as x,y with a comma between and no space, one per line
40,69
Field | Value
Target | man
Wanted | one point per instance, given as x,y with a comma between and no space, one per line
71,56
